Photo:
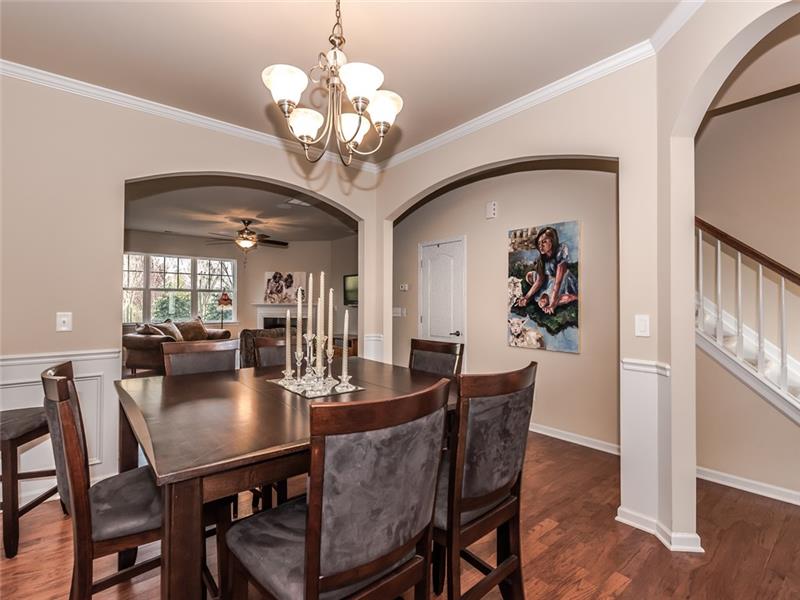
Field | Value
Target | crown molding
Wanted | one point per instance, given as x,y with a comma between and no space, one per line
682,12
611,64
676,19
96,92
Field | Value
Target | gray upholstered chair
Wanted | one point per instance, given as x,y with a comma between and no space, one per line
206,356
115,515
367,525
480,481
270,352
437,358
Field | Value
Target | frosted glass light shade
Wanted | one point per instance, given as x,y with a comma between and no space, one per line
384,107
285,82
349,123
361,80
305,123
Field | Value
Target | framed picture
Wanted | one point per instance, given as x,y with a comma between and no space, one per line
543,290
281,287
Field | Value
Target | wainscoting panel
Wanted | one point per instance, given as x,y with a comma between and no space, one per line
95,373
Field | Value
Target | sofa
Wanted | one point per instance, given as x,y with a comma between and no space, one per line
143,347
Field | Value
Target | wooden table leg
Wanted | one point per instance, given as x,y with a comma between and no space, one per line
182,541
128,459
128,446
8,454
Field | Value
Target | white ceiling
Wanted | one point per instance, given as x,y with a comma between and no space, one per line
202,205
451,61
773,64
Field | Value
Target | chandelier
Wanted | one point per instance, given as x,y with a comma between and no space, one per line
358,82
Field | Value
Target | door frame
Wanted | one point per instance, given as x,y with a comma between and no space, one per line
459,238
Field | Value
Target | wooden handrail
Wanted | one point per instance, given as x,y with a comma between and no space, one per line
748,251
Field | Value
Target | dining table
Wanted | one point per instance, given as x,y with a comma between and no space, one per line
209,436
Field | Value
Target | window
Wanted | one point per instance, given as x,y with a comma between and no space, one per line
157,287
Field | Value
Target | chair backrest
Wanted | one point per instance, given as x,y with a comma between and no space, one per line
270,352
489,440
69,446
437,358
206,356
374,468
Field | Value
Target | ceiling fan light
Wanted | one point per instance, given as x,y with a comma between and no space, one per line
384,108
286,84
350,125
361,82
245,243
305,123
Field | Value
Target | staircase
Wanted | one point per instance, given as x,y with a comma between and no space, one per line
763,364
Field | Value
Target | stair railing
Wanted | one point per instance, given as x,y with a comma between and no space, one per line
762,261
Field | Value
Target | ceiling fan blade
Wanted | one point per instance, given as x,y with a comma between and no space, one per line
217,242
277,243
225,236
263,237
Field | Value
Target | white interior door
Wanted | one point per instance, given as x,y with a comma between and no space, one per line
442,291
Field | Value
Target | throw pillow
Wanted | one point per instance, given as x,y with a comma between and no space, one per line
168,328
193,331
147,329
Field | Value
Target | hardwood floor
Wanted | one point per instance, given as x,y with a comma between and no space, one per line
573,548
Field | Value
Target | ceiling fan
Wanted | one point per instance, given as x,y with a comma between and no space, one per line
247,239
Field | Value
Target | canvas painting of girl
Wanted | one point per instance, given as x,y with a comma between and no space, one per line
543,287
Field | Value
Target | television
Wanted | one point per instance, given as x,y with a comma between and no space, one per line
350,287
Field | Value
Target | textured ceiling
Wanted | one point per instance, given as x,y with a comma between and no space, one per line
451,61
202,205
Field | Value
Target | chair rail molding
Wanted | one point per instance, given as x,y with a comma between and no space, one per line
95,372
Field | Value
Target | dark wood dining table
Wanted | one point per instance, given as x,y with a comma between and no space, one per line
209,436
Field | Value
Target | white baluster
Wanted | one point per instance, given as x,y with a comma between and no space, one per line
739,323
784,381
718,277
760,300
701,309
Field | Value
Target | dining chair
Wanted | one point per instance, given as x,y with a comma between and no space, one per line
205,356
115,515
270,352
366,527
437,358
479,484
18,427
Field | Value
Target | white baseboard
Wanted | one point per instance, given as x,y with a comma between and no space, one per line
740,483
748,485
576,438
674,541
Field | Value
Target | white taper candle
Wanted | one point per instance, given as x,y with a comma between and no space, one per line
288,340
330,320
344,344
310,316
299,324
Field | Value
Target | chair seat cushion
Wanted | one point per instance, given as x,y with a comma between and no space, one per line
17,422
440,512
125,504
271,547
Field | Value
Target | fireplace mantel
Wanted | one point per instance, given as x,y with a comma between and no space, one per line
278,310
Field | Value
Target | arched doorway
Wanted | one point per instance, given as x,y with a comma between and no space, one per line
187,222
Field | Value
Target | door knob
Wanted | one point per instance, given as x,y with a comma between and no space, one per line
455,333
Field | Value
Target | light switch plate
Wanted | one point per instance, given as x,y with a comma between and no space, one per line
397,311
491,209
642,326
64,321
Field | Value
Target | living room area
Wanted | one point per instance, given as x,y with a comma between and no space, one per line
214,257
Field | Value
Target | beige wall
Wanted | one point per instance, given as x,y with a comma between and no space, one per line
747,185
740,433
344,261
65,162
299,256
575,393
